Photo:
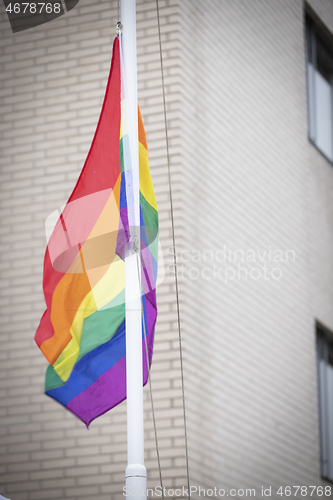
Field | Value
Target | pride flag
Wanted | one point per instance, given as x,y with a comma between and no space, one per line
82,331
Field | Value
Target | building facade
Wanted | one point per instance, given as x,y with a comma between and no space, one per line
252,188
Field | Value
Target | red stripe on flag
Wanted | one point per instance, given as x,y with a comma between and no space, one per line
100,171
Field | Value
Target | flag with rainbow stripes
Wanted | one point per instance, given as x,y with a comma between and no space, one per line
82,332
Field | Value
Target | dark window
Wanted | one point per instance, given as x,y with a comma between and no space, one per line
325,385
320,79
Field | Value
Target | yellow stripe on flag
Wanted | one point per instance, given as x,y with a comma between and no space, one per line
104,291
146,185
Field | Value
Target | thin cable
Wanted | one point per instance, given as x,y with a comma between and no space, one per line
149,379
118,10
174,248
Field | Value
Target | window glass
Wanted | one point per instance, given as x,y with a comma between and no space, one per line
325,386
320,78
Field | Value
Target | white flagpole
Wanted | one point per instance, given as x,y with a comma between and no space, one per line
136,476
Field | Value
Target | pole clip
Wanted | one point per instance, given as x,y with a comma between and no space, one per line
119,28
135,243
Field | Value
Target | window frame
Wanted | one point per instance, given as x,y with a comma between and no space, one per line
324,342
314,30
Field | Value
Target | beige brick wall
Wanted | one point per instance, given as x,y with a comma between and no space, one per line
245,178
251,182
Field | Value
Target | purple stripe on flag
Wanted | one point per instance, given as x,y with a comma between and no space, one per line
151,314
147,272
123,233
110,388
108,391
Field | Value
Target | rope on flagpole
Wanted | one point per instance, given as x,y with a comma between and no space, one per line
174,249
135,247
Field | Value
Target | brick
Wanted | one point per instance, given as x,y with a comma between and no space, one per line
22,487
53,464
91,480
54,483
86,450
56,494
23,466
80,492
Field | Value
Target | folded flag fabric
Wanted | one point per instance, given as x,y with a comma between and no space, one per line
82,332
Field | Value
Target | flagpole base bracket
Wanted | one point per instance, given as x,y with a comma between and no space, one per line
136,481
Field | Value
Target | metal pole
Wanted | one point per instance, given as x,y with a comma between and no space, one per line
136,476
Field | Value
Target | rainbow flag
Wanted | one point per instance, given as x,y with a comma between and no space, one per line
82,332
